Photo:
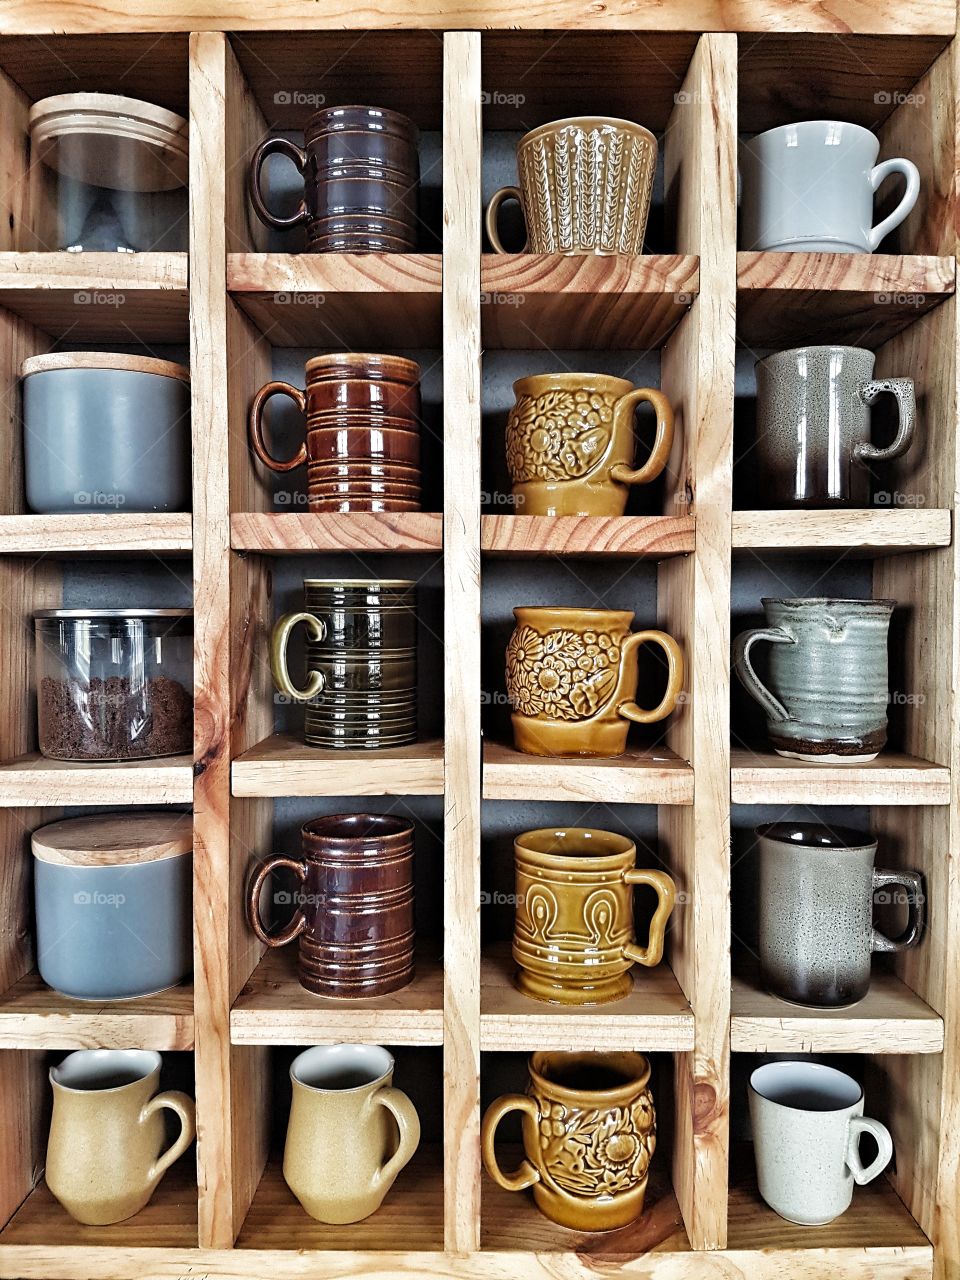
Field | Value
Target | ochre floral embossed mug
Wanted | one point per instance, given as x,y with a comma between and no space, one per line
570,443
572,680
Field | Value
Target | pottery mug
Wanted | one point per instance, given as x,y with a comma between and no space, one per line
826,694
350,1131
807,1121
816,900
105,1153
809,187
573,938
813,425
361,177
589,1133
570,443
354,916
572,679
585,187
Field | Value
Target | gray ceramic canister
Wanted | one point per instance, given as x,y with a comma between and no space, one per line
827,687
816,899
104,432
113,899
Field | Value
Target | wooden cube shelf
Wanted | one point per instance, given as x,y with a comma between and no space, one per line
279,534
33,779
284,766
34,1017
526,537
893,778
642,775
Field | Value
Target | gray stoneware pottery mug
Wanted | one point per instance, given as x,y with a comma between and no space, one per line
809,187
807,1121
816,912
813,425
826,693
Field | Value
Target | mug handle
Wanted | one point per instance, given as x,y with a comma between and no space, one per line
666,889
185,1108
408,1122
881,1135
902,388
269,147
299,921
749,678
908,200
525,1175
255,425
630,710
278,656
911,881
662,443
490,217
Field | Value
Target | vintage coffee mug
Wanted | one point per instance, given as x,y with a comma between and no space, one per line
342,1153
572,680
809,187
813,425
807,1122
361,177
570,443
354,917
589,1133
585,187
104,1153
816,897
573,937
827,689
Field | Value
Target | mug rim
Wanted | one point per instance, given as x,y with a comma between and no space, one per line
359,582
382,359
816,1068
637,1062
573,608
395,827
100,1055
561,859
847,124
814,346
325,1051
618,122
794,601
860,840
572,378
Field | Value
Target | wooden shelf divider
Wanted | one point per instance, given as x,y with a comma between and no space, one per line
282,533
642,775
33,780
32,1016
893,778
168,533
282,765
651,537
859,533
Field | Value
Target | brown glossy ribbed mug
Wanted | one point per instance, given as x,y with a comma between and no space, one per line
362,448
354,917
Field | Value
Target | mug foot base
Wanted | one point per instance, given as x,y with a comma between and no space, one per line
557,993
598,1213
810,758
810,1004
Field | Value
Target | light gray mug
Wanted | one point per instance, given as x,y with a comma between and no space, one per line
807,1120
828,685
809,187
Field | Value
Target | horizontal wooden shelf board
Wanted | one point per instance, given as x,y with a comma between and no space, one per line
32,1016
890,1019
164,533
893,778
785,298
273,1008
654,1017
653,537
333,299
282,765
100,296
642,775
545,301
32,779
381,532
876,532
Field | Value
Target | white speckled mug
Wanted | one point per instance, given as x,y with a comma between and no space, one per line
807,1121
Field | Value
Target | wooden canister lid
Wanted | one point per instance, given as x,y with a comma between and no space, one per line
103,360
114,839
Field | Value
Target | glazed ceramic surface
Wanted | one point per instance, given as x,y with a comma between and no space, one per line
585,187
807,1122
813,425
572,680
816,912
354,917
570,443
574,938
589,1133
361,177
343,1152
810,187
105,1153
827,689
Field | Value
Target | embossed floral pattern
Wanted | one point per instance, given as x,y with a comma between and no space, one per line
562,675
559,435
598,1152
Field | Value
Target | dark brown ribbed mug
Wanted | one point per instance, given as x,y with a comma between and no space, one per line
362,449
354,917
361,177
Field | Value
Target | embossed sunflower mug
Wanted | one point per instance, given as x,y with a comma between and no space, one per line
571,443
573,936
589,1134
572,679
585,187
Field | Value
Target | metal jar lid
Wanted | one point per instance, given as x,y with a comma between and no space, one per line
98,614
